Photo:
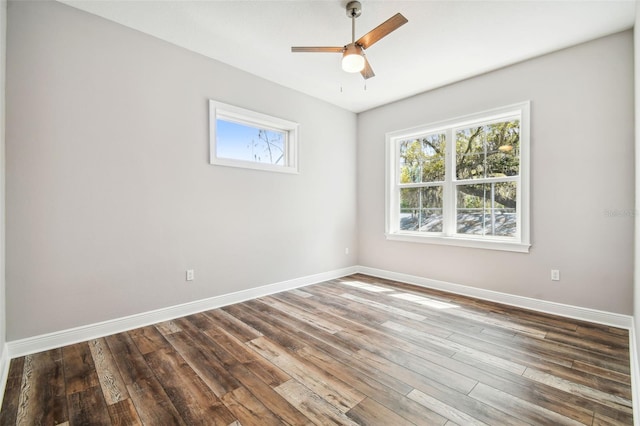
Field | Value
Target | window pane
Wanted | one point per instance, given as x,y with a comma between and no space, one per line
487,209
422,159
421,209
491,150
243,142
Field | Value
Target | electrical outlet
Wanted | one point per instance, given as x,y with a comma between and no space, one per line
190,275
555,275
346,250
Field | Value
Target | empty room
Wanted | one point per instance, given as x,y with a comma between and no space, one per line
319,212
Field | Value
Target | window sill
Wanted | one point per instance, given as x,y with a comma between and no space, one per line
501,245
255,166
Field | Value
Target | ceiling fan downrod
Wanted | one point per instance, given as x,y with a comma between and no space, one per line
354,9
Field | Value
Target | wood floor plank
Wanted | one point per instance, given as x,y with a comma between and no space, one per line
259,366
128,359
537,353
370,412
43,391
585,367
253,319
233,326
113,386
300,314
430,374
516,384
194,401
244,373
557,350
446,411
312,405
522,409
384,307
461,351
167,327
9,411
79,369
354,350
453,405
302,331
151,401
87,407
373,387
507,348
614,349
206,365
301,293
319,350
249,410
337,393
525,360
334,304
123,413
264,393
148,339
586,392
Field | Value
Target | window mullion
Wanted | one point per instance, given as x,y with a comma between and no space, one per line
449,206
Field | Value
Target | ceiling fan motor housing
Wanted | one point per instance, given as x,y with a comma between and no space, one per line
354,9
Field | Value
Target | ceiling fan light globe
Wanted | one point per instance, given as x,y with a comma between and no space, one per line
352,62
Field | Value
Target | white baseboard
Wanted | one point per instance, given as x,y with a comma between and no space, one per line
4,371
575,312
58,339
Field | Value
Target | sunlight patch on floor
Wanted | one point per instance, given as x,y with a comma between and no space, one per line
368,287
424,301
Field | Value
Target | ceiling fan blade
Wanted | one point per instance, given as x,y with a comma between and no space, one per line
318,49
367,71
382,30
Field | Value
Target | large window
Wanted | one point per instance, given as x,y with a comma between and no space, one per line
244,138
462,182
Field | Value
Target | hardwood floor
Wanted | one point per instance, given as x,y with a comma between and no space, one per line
357,350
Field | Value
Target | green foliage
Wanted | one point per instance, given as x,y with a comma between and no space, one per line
478,196
492,150
422,160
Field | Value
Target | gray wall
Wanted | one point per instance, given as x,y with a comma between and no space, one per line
636,293
110,197
3,51
582,165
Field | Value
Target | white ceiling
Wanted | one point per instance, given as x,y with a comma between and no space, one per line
444,41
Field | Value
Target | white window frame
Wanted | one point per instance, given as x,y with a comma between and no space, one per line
448,236
219,110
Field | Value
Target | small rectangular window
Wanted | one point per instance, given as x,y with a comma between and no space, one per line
244,138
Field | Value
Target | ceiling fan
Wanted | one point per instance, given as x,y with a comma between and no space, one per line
353,59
